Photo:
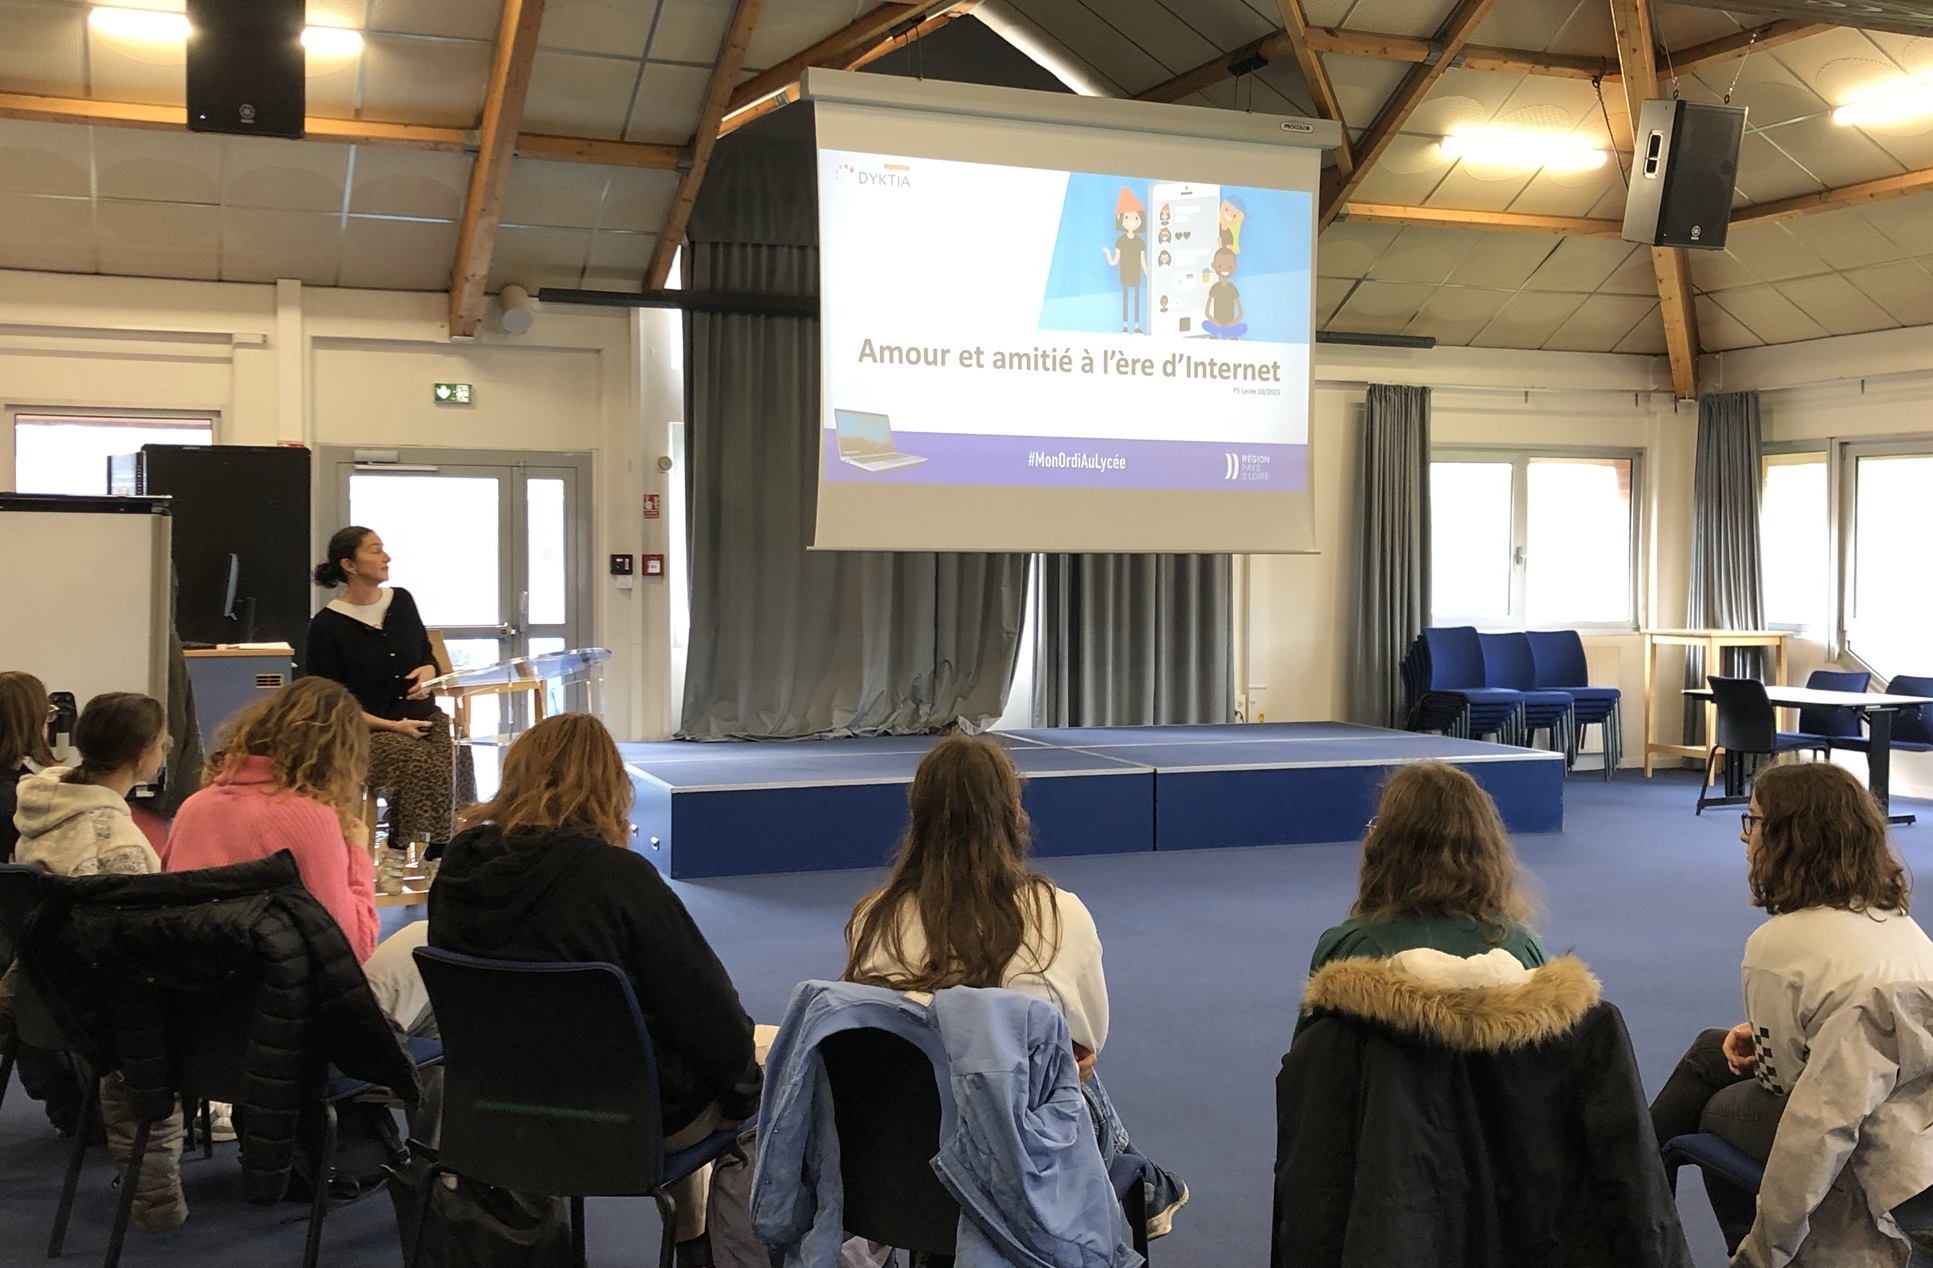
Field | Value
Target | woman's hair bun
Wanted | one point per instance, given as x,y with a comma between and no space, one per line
343,544
328,573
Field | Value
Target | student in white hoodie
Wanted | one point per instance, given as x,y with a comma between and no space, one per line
74,821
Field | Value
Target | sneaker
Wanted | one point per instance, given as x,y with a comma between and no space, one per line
1162,1222
389,869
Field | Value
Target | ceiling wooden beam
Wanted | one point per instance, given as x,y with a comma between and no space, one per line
1689,61
1631,23
912,35
1296,27
503,112
837,49
1416,85
724,73
408,136
1859,195
1447,217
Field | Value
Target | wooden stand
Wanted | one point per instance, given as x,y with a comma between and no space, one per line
1712,643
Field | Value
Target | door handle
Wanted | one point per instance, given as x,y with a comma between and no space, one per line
506,631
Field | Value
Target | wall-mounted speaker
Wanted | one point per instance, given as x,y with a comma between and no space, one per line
247,72
1683,174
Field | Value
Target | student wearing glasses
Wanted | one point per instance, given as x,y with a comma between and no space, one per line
1820,866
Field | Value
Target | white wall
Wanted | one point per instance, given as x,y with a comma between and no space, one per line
323,366
1300,606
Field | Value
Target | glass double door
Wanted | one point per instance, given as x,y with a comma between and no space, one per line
494,547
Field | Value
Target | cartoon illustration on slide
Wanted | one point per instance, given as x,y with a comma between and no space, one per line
1234,212
1222,315
866,441
1164,259
1129,255
1164,303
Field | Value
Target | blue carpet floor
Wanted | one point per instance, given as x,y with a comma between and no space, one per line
1206,952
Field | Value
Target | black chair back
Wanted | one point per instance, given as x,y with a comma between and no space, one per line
19,891
1746,722
1829,719
886,1102
1914,725
550,1082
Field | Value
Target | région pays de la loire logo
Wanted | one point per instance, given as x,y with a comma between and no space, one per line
885,176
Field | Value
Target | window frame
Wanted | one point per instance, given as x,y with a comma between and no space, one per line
1843,456
1520,458
1784,453
10,416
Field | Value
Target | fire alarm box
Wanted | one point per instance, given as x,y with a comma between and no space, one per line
654,565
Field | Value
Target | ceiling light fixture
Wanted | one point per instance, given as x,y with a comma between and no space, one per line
154,26
1524,148
148,26
1896,104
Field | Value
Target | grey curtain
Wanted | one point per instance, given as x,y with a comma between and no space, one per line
1392,549
1727,586
786,642
1126,640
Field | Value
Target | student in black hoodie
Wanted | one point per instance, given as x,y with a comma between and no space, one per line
544,872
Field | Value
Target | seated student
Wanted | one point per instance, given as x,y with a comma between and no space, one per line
961,908
1437,872
288,774
1820,866
74,821
24,713
544,872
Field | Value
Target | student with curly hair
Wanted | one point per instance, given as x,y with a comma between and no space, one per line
1821,868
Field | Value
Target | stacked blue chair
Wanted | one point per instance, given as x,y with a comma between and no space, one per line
1507,663
1557,657
1912,728
1822,727
1444,672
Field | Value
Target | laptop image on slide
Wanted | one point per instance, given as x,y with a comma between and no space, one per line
866,441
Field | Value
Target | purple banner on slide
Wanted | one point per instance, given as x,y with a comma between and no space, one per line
1071,463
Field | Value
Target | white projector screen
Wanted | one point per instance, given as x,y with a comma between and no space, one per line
1089,332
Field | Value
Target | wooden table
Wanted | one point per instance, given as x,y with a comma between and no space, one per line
1879,710
1711,642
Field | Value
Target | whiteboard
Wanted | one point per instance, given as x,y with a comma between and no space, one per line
86,583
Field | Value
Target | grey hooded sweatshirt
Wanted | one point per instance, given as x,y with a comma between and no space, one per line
78,829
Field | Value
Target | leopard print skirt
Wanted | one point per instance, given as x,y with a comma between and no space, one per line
424,782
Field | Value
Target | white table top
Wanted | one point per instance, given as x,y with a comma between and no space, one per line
1804,696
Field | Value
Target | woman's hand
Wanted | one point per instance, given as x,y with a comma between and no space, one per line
417,677
1084,1060
414,728
357,834
1741,1053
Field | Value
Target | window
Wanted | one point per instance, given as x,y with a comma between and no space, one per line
1528,539
1795,540
1888,611
68,454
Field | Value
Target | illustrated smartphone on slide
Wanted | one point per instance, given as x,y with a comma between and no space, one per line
866,441
1181,246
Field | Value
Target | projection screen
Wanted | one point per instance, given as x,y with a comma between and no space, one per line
1061,323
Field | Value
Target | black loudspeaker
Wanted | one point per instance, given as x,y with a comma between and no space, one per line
247,72
240,541
1683,174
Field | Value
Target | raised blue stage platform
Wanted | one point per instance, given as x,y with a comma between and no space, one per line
737,809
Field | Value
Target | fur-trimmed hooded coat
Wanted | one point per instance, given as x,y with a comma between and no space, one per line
1498,1126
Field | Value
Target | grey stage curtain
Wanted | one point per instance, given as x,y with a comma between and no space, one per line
786,642
1393,549
1127,640
1727,585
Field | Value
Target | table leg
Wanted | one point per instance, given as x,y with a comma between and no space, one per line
1650,695
1734,774
1879,761
1713,665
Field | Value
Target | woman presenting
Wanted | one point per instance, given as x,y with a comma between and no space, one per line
372,641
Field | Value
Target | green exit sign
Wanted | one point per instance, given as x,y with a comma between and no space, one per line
452,393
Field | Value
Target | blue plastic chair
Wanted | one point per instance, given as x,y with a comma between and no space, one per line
1450,694
550,1085
1558,659
1507,663
1822,726
1912,726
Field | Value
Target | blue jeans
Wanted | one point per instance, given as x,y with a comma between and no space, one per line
1112,1137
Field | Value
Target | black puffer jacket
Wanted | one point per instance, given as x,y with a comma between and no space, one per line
102,949
1503,1126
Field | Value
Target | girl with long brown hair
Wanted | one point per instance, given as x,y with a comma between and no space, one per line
1819,864
962,908
1438,871
544,871
24,714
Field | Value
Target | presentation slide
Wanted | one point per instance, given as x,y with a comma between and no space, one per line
989,325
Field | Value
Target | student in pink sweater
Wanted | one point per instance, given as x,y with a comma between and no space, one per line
289,774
